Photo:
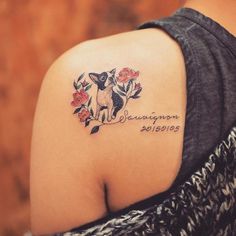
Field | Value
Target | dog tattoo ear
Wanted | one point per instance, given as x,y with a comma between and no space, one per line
93,77
113,71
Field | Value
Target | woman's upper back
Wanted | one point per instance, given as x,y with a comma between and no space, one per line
84,174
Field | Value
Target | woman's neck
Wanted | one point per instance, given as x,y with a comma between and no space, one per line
221,11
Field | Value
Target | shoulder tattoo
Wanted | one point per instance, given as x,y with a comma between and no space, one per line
109,106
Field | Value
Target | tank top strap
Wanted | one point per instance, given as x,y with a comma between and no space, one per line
174,27
222,34
193,31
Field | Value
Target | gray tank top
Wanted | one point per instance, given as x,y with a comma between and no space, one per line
209,52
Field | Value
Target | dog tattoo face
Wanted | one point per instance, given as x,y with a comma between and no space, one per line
102,80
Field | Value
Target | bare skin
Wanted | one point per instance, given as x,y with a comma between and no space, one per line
69,167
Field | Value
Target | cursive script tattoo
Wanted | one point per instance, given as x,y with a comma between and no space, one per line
153,117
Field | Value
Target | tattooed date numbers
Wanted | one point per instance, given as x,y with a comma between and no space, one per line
163,128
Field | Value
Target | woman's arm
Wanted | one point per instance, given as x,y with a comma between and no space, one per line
66,188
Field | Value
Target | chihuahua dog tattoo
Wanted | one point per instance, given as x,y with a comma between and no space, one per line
106,97
112,95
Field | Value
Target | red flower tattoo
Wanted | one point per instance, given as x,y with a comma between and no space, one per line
84,83
137,86
80,98
127,74
83,115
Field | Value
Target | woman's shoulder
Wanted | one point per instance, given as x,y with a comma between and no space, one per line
122,46
110,112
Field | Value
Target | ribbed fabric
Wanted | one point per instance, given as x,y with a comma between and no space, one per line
209,52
